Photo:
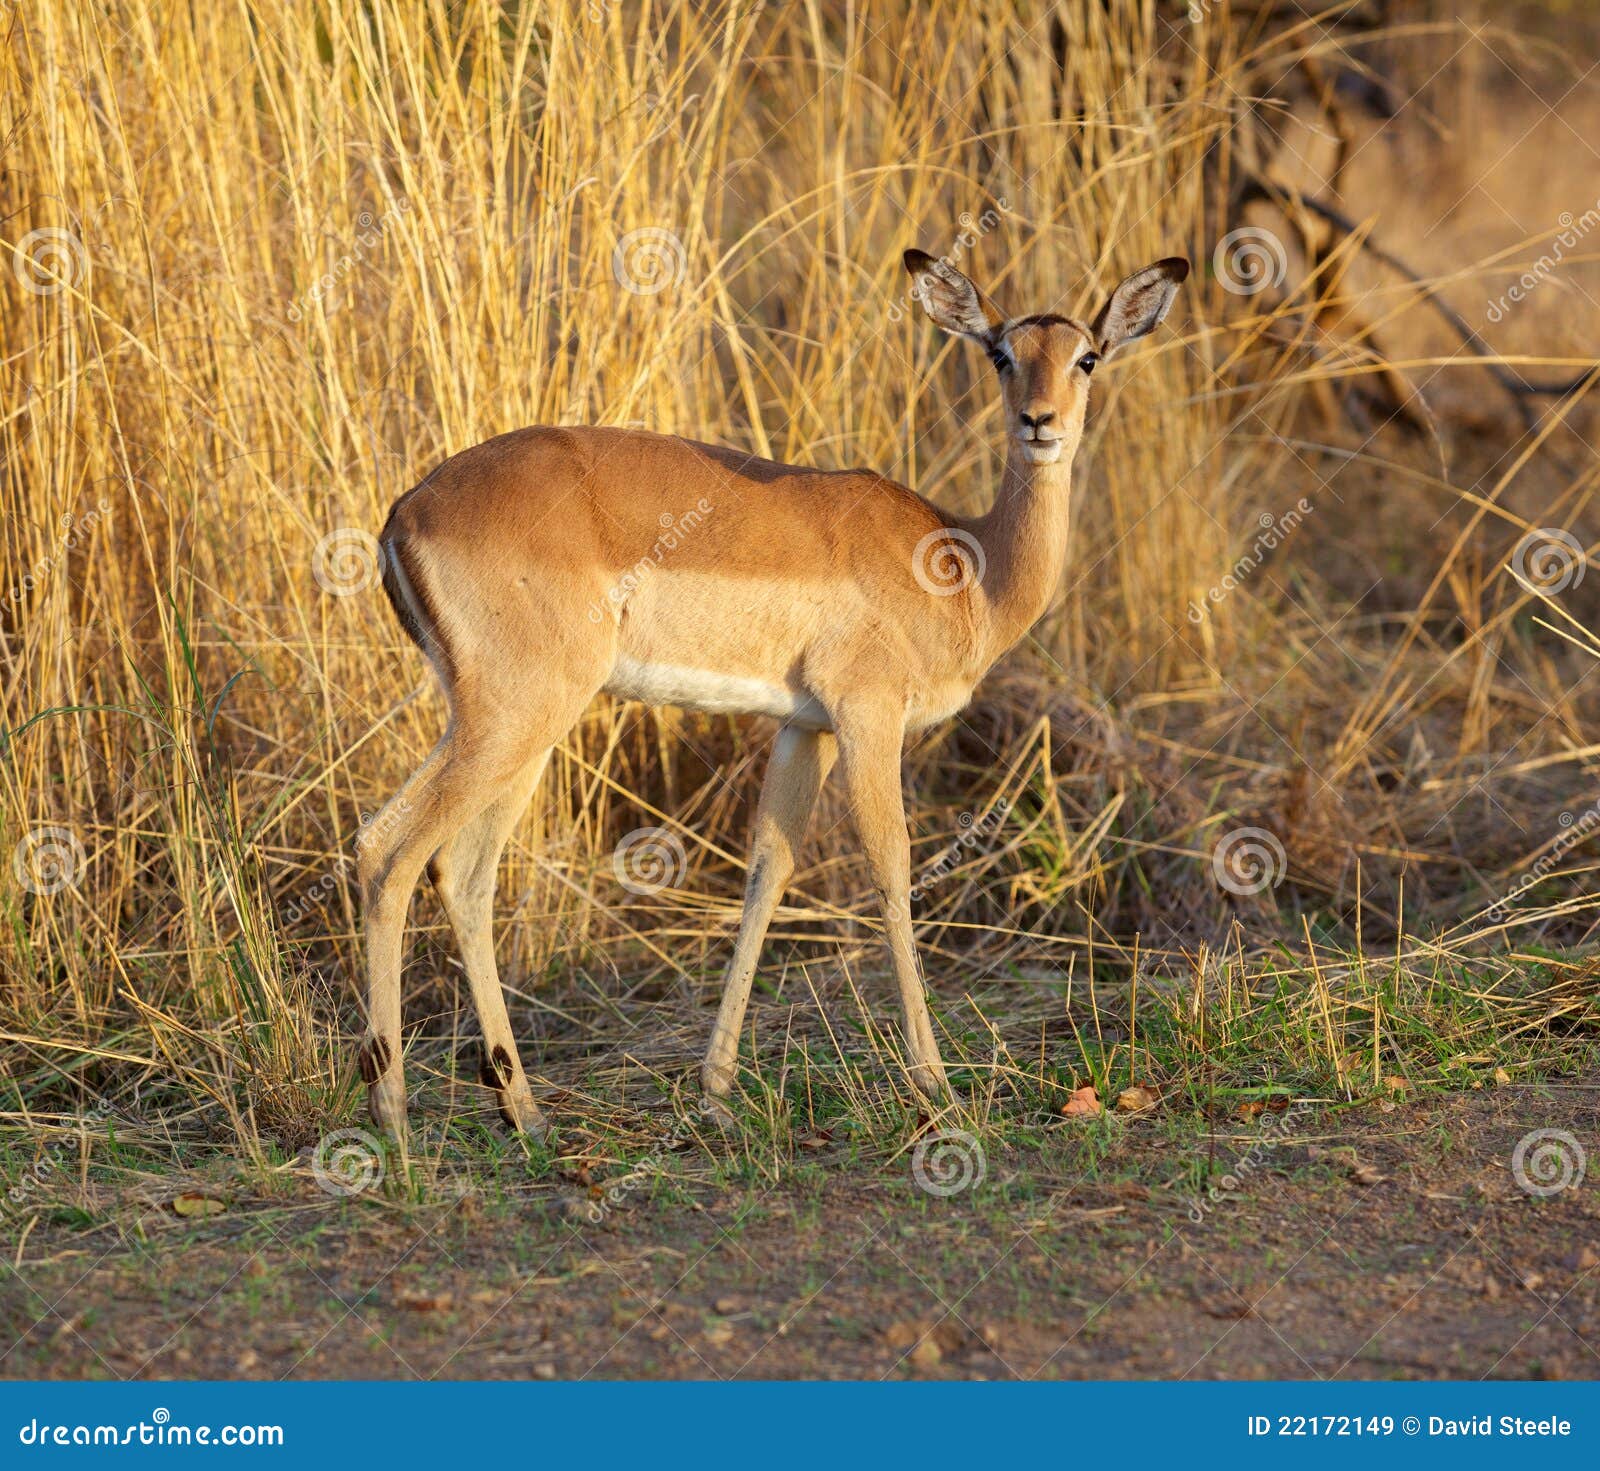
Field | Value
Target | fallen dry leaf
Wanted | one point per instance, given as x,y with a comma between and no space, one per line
1136,1099
1501,1077
1084,1104
193,1204
929,1341
718,1332
1230,1307
926,1354
415,1300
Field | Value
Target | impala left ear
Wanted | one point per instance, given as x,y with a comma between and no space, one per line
1137,306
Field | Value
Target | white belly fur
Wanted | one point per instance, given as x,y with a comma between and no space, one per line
706,689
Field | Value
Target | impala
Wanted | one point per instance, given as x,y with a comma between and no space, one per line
837,602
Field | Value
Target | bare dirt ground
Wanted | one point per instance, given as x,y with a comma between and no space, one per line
1368,1242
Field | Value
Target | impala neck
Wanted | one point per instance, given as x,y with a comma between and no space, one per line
1024,540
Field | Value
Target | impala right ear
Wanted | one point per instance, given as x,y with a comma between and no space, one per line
952,301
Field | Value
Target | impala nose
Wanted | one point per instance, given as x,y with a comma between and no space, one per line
1035,422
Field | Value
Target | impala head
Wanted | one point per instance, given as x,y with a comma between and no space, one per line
1045,361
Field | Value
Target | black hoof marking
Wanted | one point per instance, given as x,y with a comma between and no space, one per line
373,1060
496,1069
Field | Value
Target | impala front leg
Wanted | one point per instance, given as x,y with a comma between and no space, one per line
870,749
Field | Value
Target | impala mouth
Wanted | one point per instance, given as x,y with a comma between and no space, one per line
1040,451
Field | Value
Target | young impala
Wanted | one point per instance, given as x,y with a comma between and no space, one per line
839,603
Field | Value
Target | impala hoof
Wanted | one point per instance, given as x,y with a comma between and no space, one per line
521,1114
930,1082
716,1112
386,1102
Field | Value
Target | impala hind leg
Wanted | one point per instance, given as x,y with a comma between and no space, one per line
870,748
463,873
458,775
796,770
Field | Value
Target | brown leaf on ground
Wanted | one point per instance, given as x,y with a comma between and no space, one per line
1231,1306
419,1300
1084,1104
192,1204
1137,1099
929,1341
926,1354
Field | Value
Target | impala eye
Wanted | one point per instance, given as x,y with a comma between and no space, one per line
1088,360
1000,356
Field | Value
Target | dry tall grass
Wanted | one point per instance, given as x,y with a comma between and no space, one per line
295,252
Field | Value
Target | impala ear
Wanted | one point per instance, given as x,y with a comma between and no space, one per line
951,300
1138,304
